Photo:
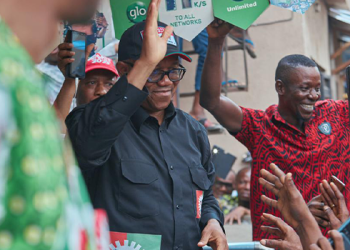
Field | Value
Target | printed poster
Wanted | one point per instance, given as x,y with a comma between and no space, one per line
241,13
126,13
300,6
188,17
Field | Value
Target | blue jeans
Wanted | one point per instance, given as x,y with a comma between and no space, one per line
200,44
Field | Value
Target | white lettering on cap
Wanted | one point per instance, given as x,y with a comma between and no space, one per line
171,40
98,58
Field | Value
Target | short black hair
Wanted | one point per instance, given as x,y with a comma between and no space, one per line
291,62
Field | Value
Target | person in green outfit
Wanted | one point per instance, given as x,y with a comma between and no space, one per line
43,199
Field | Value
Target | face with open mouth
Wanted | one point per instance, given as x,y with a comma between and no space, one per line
303,91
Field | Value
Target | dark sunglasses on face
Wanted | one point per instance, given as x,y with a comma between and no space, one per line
157,75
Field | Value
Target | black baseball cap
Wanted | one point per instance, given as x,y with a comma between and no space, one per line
130,44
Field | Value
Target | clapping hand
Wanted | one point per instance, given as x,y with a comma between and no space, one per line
288,238
290,202
335,208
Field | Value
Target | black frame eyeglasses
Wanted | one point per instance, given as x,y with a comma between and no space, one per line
157,75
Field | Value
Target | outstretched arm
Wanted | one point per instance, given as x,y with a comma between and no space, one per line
291,204
228,113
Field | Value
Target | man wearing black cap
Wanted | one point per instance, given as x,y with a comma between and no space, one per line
145,162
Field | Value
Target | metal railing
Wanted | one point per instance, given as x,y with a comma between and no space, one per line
244,246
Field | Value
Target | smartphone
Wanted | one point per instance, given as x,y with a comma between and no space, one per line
345,232
340,185
76,69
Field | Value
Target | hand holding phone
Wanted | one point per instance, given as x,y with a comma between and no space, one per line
336,208
340,185
76,69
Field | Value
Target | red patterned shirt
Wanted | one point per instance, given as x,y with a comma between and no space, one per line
323,150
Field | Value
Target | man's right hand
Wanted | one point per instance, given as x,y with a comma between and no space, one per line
290,202
218,30
154,48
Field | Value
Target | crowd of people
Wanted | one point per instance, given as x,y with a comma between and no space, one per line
144,165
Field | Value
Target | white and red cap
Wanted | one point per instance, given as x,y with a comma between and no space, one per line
100,62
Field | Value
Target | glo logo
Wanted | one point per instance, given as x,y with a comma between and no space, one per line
136,12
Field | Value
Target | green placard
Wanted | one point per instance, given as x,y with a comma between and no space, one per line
126,13
241,13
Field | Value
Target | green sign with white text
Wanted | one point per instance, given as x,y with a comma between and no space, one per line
126,13
241,13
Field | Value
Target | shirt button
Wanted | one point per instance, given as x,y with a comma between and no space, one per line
160,131
125,98
176,248
171,167
177,206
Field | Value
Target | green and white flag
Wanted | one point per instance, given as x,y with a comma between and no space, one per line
131,241
241,13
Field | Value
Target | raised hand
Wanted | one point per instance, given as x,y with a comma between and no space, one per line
218,30
336,210
154,47
290,202
288,238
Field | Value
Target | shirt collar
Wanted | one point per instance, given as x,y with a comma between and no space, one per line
141,116
277,116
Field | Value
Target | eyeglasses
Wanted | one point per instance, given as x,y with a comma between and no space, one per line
220,184
174,75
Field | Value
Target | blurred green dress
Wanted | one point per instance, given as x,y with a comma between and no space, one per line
43,200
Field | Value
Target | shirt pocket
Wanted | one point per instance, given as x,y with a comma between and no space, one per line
201,183
200,177
138,189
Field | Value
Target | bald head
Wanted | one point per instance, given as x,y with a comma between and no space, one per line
243,184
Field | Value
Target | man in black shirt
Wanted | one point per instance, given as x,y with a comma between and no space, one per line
145,162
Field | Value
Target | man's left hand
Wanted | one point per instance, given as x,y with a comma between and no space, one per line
214,236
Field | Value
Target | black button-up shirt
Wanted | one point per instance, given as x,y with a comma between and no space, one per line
149,178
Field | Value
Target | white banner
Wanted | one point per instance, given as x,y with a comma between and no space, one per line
188,17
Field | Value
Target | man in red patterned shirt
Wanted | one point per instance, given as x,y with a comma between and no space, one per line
302,135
